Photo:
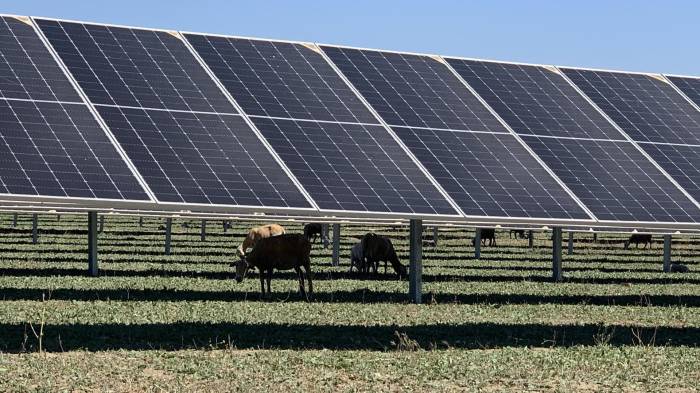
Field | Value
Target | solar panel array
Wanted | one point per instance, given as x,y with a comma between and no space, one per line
199,120
609,174
461,144
178,128
50,143
329,139
651,112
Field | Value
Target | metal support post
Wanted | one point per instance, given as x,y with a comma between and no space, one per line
168,234
93,268
571,243
477,243
667,253
556,255
35,228
336,244
415,272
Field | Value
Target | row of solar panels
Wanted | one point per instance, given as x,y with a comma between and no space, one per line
115,114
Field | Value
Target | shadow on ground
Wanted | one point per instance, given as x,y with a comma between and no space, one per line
356,296
190,335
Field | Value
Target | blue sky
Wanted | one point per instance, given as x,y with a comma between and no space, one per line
626,35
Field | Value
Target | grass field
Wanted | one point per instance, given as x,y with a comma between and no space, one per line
179,322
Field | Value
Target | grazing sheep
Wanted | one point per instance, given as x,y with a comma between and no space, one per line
377,248
679,268
486,233
313,231
282,252
638,238
357,259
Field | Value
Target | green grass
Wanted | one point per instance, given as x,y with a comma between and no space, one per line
179,322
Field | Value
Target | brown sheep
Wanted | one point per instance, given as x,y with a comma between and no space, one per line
281,252
257,233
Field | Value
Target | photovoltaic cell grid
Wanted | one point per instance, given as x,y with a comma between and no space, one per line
690,86
681,162
323,132
610,176
27,69
173,122
280,79
53,147
646,107
653,113
201,158
412,90
490,174
534,100
486,174
134,67
615,180
352,167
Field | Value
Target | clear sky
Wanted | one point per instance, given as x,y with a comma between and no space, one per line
652,36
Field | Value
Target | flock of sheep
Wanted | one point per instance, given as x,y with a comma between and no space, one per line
269,247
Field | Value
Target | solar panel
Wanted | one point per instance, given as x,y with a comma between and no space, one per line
320,128
487,172
681,162
201,158
490,174
535,100
607,172
690,86
413,90
50,143
646,107
134,67
352,167
28,70
615,180
280,79
178,128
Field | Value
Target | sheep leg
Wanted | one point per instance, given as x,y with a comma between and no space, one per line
307,269
269,279
301,281
262,284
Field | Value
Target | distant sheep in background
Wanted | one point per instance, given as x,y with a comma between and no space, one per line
679,268
515,233
487,234
638,238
